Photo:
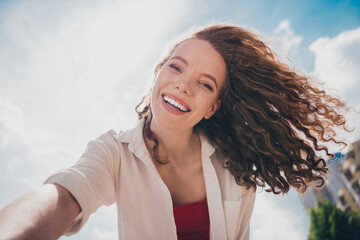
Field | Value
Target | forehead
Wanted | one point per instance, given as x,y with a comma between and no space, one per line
202,55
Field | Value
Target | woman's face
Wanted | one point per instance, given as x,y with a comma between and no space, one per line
186,88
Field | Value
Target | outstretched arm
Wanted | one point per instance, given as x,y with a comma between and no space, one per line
43,213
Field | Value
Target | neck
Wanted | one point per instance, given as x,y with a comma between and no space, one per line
177,146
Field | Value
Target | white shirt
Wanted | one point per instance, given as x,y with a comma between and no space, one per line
117,167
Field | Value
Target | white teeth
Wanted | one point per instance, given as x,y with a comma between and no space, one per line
176,104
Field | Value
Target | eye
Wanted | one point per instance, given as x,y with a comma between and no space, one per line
176,68
206,85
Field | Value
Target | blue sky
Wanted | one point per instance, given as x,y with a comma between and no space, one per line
71,70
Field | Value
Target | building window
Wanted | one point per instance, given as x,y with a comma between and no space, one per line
348,175
350,154
342,200
357,169
356,187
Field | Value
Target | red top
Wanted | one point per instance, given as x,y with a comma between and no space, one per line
192,221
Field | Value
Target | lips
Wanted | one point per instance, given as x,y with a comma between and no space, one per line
175,103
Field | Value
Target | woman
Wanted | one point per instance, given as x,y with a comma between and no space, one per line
224,116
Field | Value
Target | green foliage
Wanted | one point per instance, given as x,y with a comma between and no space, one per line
330,223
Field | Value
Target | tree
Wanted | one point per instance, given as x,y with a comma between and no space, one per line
331,223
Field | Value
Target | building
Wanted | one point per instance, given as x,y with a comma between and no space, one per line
343,185
330,189
349,196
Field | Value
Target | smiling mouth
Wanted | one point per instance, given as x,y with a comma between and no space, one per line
174,104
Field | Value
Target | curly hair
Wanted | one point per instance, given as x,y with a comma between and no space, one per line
272,120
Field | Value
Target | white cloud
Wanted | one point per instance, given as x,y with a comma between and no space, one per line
11,123
337,61
72,70
274,219
287,39
104,235
337,64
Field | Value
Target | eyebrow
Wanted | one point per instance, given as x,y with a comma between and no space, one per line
204,74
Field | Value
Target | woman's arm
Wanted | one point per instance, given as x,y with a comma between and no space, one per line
43,213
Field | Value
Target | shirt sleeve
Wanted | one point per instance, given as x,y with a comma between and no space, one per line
92,179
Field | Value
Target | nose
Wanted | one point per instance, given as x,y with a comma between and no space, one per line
183,86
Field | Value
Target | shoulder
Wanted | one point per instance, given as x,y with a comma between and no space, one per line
106,143
114,139
109,137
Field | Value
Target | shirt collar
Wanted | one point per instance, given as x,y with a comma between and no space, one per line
134,137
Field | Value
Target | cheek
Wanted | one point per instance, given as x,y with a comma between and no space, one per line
157,82
155,92
160,83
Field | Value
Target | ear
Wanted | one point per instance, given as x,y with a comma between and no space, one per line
212,109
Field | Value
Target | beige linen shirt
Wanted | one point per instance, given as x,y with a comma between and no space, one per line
117,167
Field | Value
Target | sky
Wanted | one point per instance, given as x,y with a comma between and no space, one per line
71,70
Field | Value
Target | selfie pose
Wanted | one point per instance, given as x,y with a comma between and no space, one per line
223,117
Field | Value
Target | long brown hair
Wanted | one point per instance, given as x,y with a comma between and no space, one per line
271,120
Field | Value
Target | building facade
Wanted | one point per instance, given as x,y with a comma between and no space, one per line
331,188
343,185
349,196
